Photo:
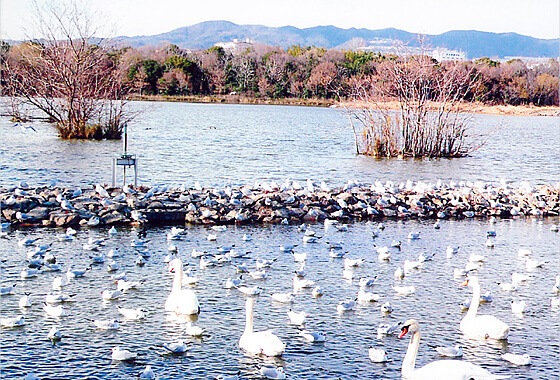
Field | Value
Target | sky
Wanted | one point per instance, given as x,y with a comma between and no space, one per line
536,18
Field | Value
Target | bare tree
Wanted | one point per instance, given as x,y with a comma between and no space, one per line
68,76
433,103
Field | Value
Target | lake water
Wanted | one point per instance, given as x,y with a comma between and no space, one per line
216,144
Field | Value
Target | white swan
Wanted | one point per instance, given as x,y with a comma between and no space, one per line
180,301
481,326
440,369
262,342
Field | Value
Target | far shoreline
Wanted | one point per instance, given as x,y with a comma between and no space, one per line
478,108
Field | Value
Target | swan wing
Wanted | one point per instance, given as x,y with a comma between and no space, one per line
484,326
452,370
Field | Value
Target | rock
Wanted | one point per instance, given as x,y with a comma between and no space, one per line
63,219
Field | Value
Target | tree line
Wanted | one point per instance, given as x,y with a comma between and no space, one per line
297,72
310,72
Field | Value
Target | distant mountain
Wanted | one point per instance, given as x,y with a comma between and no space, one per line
474,43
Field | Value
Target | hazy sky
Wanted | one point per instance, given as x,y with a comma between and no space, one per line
537,18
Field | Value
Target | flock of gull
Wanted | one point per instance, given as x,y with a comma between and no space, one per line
183,305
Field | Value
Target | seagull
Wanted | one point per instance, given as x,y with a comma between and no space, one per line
24,128
517,359
147,373
13,322
107,325
297,318
176,347
122,355
54,334
344,306
133,314
313,337
193,330
109,295
450,352
273,373
377,355
283,297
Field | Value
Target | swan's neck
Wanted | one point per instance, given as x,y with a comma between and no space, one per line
410,357
249,317
473,308
178,279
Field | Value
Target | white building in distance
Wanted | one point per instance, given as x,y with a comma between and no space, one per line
236,46
442,54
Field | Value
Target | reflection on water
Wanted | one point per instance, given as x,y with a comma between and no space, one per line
84,352
215,144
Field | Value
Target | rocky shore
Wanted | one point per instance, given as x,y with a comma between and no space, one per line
269,202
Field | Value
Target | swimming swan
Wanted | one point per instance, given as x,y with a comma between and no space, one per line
481,326
261,342
180,301
440,369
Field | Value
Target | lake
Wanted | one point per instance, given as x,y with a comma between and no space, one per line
218,144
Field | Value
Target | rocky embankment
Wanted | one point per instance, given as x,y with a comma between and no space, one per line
271,203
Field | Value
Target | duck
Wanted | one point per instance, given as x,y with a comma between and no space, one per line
261,342
481,326
181,301
440,369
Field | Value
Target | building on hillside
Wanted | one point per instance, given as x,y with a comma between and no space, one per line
236,46
442,54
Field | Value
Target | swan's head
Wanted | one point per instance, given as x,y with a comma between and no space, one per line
470,281
174,265
409,326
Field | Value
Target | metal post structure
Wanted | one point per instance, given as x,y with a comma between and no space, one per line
125,160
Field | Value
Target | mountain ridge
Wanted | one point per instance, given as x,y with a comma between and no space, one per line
474,43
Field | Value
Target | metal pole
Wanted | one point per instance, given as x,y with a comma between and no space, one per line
125,142
135,171
114,171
